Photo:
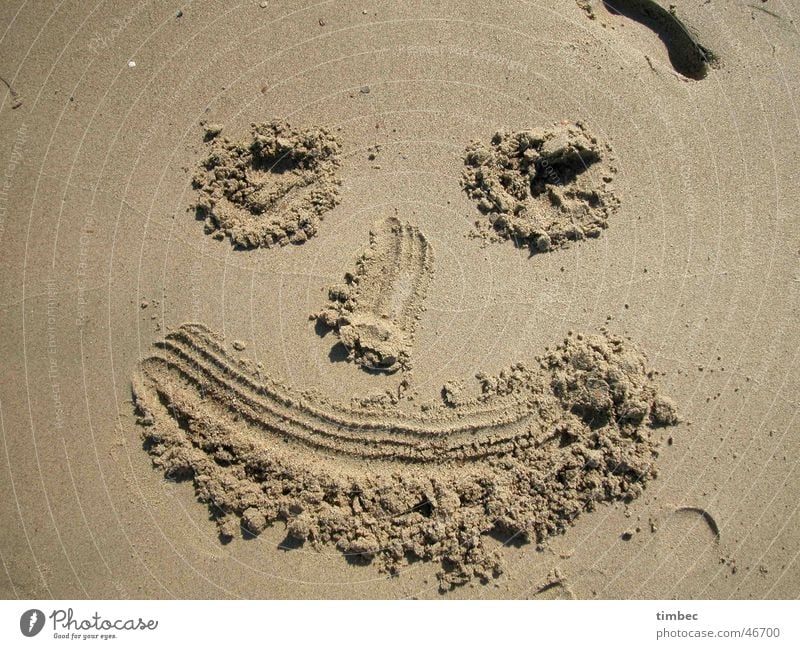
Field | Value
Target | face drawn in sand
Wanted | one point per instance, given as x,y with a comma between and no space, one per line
522,455
543,188
272,189
375,312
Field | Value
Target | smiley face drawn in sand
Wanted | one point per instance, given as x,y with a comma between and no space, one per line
519,454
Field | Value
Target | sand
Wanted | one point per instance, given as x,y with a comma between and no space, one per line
522,458
541,188
376,311
272,189
536,334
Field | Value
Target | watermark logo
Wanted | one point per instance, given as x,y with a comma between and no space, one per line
66,625
31,622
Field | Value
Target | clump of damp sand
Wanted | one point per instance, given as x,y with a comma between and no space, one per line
542,188
518,455
374,313
272,189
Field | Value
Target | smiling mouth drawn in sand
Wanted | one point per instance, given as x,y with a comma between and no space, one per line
543,188
514,456
375,312
521,457
271,190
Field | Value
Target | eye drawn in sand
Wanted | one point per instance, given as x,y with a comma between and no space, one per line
520,457
686,54
375,312
542,188
271,190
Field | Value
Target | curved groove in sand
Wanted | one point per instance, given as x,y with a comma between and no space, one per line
708,519
191,372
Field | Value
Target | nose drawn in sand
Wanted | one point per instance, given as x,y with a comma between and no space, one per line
376,311
686,54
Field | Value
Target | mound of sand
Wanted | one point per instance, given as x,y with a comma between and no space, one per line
541,187
375,312
272,189
520,454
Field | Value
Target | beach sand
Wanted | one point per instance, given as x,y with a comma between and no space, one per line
676,251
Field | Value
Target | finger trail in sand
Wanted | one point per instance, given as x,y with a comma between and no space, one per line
375,312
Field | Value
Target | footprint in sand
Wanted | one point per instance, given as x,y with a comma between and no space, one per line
686,54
